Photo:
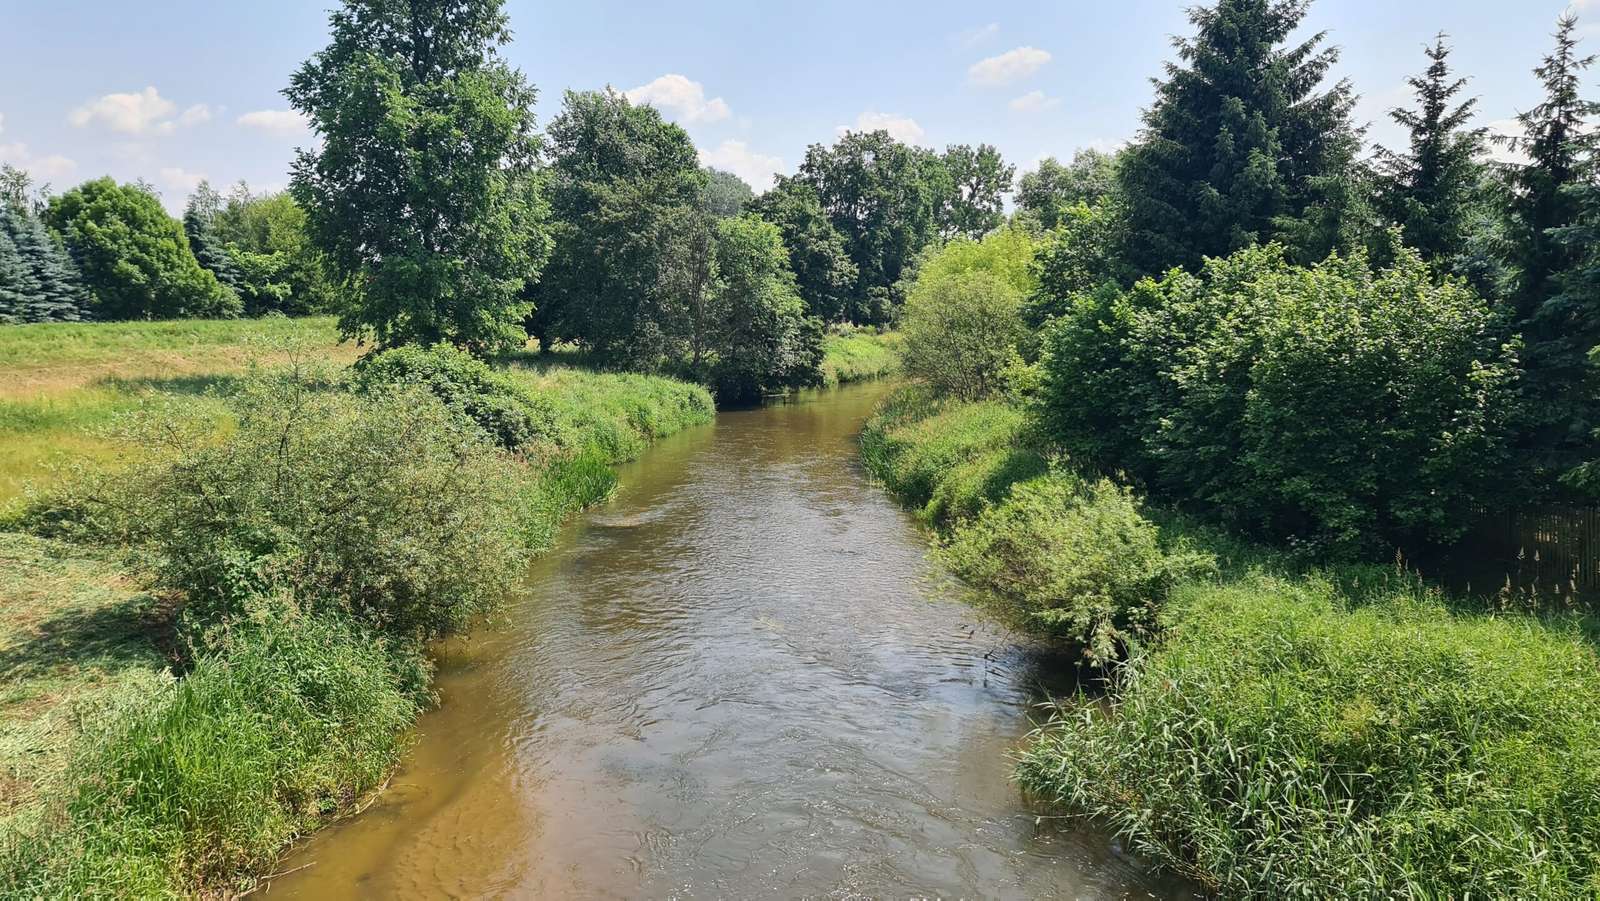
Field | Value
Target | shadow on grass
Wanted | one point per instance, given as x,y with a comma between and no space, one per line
116,636
178,385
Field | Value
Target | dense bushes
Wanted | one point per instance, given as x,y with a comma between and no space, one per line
289,719
510,415
1285,744
963,315
1071,560
1334,406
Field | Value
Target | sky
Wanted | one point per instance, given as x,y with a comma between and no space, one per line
176,91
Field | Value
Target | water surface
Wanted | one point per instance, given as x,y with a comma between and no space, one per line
741,679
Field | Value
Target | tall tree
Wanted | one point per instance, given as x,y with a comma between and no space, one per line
421,194
48,287
280,270
1047,194
758,336
631,230
972,201
726,194
1559,149
1431,189
824,272
883,196
199,225
1241,140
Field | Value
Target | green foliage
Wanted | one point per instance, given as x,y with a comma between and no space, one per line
825,275
1231,156
422,193
1283,743
279,269
1047,196
1334,405
972,201
758,339
288,721
726,194
199,225
849,355
509,415
38,281
1082,252
1072,561
962,323
883,197
1430,189
134,258
632,236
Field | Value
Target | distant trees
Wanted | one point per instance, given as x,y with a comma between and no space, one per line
1045,195
963,320
422,194
279,269
199,225
972,200
757,337
39,282
726,194
825,275
134,258
1239,146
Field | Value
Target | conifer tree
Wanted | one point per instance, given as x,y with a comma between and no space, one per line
1430,189
49,290
1239,144
200,225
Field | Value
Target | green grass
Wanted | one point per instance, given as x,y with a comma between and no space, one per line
1289,739
859,357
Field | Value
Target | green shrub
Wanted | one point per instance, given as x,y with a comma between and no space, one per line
289,721
1284,744
513,418
389,508
1341,408
1072,561
961,332
915,442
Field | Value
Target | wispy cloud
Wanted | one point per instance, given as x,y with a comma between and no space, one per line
277,121
972,37
901,128
144,112
682,97
1008,67
757,169
1034,102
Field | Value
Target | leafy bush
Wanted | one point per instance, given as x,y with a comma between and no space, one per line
389,508
1071,560
758,339
512,416
1334,405
962,320
1285,744
290,720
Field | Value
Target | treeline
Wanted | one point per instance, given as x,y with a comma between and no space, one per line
108,251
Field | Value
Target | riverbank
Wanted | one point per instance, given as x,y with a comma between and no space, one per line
1280,727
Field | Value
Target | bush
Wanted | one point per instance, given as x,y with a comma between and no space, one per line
962,321
1334,406
513,417
390,508
1285,744
289,721
1072,561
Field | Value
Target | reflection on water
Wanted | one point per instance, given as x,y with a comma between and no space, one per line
740,678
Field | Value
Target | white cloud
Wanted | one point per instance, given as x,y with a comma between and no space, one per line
48,167
686,99
756,169
972,37
146,112
901,128
277,121
1034,102
179,180
1008,67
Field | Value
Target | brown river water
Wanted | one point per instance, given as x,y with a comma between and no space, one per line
741,678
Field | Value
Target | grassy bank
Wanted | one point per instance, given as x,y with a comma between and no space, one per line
858,356
226,653
1276,731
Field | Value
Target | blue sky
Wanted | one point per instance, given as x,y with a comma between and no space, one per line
178,90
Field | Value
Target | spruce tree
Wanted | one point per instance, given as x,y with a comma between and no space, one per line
17,288
200,225
1430,189
50,290
1239,145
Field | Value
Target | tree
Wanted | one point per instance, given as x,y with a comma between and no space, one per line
1082,253
963,321
1045,195
727,195
631,233
973,198
760,339
16,189
883,196
199,225
46,287
824,273
1238,144
280,270
133,257
421,195
1430,189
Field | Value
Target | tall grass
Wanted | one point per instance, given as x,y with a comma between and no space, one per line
1291,741
858,356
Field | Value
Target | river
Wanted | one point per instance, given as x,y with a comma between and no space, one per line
741,678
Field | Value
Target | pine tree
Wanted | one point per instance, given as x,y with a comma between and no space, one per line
200,226
1239,144
18,290
52,290
1430,189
